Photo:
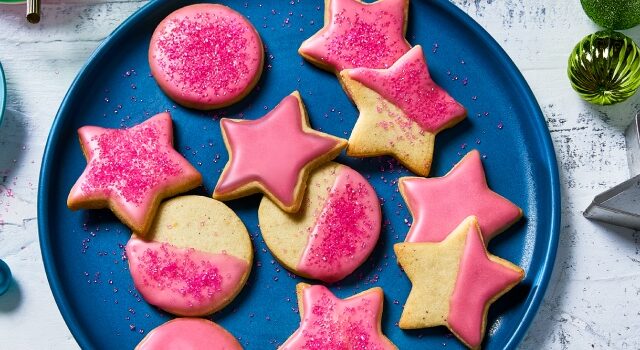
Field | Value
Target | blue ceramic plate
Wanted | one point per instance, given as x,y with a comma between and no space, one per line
3,94
83,250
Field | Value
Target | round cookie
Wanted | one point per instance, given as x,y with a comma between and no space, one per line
194,260
189,333
335,229
206,56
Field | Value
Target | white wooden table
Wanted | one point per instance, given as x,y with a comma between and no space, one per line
593,300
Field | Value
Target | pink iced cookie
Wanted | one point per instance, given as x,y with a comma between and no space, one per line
206,56
131,170
331,323
359,34
454,282
189,334
401,111
335,230
195,259
274,154
438,204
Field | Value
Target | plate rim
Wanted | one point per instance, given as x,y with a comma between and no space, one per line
3,93
540,284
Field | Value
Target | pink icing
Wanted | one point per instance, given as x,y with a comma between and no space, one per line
189,334
360,35
408,85
272,151
346,230
130,167
330,323
183,281
438,204
479,280
205,55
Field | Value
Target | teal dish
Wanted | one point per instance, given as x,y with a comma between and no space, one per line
3,94
82,250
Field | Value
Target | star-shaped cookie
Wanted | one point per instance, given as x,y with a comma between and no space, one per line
131,170
359,34
454,282
274,154
401,111
331,323
438,204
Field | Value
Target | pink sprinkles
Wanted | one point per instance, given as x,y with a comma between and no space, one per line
337,327
175,269
343,227
409,86
209,54
131,162
364,44
419,97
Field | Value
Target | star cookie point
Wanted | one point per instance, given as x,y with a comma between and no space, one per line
328,322
131,170
402,108
359,34
274,154
437,203
454,282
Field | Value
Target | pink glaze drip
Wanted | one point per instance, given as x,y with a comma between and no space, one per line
205,54
189,334
479,280
439,204
183,281
360,35
330,323
346,230
272,150
408,85
131,166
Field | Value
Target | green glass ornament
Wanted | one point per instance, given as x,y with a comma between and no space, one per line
613,14
604,67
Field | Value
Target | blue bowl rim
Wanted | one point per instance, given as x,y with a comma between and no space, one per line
3,93
544,275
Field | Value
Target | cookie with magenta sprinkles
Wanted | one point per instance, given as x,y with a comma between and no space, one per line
206,56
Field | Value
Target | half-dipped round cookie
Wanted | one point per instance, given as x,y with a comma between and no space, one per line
195,258
206,56
189,334
335,229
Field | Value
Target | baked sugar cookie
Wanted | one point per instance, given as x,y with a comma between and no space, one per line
195,259
454,282
439,203
189,334
401,111
334,231
206,56
331,323
359,34
131,170
274,154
